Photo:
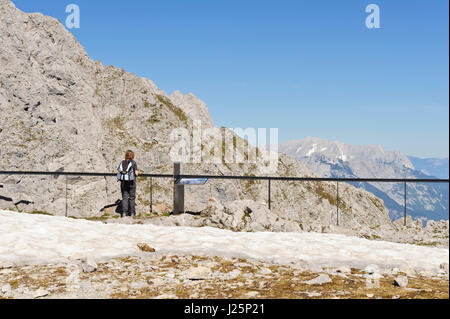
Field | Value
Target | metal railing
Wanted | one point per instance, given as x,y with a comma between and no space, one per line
241,177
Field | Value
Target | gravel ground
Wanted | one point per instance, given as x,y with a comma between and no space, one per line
154,275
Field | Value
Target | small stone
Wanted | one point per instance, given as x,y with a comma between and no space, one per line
401,281
343,270
166,296
145,247
73,277
395,271
40,293
198,273
138,285
315,268
320,280
85,285
233,274
265,271
76,256
6,265
6,288
313,294
251,294
444,267
409,271
89,265
369,295
372,283
426,273
372,269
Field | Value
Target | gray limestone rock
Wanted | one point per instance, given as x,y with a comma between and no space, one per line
320,280
401,281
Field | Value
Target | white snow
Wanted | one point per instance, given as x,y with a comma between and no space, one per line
39,239
298,149
312,150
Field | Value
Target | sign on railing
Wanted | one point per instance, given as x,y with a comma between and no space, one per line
191,181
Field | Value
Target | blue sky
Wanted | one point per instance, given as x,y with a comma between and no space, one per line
309,68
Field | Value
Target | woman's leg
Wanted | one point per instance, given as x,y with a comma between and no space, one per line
132,198
125,199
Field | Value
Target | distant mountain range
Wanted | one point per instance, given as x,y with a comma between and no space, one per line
437,167
336,159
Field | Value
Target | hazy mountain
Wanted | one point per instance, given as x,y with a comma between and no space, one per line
437,167
336,159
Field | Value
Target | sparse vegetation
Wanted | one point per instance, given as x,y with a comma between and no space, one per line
38,212
175,110
322,193
153,119
377,202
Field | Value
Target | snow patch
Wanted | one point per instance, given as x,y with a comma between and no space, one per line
312,150
40,239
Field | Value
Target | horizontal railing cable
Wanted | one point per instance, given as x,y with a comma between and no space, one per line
177,178
241,177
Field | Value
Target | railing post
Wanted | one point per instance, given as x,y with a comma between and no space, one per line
178,191
269,193
404,203
337,203
151,195
66,195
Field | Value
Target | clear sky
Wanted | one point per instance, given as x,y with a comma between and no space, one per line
309,68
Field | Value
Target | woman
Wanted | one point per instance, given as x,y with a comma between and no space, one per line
128,171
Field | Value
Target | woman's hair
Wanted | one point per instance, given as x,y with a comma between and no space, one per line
129,155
